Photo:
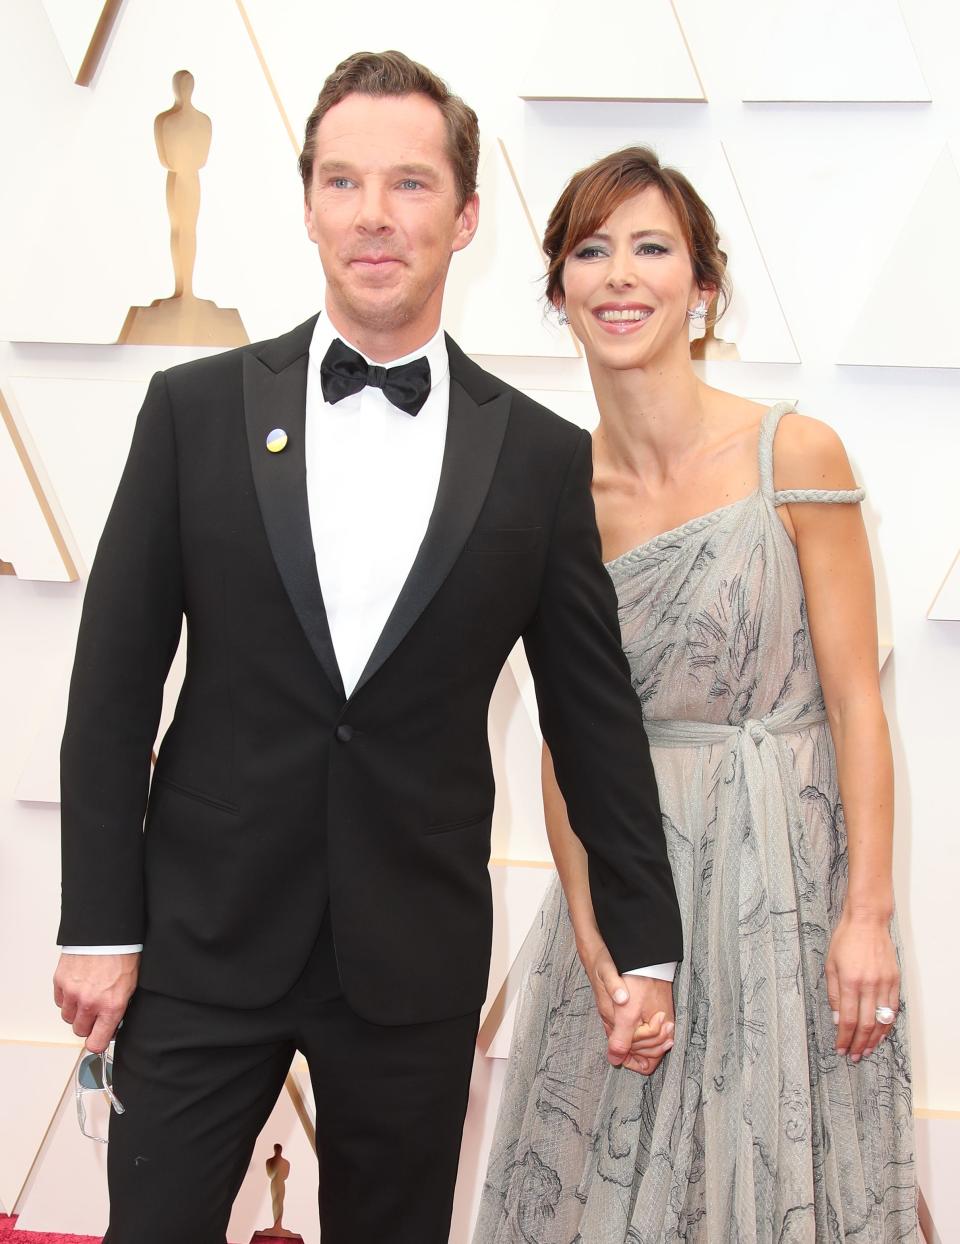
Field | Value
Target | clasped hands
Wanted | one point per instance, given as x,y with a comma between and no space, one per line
636,1011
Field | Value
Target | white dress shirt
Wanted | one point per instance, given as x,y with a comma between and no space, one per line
372,478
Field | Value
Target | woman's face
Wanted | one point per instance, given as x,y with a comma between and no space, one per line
629,286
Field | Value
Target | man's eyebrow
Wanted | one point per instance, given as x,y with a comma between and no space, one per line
419,170
332,166
407,170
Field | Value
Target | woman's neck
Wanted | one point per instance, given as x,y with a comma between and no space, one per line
651,419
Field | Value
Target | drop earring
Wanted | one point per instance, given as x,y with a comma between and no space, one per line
562,318
699,312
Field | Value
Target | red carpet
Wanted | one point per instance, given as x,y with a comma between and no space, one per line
9,1236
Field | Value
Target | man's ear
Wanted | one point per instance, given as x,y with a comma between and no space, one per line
468,221
308,218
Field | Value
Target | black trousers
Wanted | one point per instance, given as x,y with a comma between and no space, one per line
199,1082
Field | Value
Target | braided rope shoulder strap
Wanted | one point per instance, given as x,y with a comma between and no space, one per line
785,496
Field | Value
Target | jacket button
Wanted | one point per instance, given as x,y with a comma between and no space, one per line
344,733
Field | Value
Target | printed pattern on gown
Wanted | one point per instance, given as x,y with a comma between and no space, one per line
752,1130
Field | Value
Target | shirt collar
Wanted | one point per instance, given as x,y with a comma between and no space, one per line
435,350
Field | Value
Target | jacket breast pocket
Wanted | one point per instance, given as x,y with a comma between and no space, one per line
464,822
504,540
188,792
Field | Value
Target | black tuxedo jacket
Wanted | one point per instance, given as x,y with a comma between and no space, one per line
274,795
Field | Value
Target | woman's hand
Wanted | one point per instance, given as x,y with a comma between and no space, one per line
636,1038
862,974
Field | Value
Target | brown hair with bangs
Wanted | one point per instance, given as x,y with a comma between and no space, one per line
394,73
594,194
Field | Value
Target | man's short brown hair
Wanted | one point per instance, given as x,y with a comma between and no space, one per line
393,73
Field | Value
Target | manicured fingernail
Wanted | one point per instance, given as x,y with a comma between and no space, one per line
621,996
841,1049
669,1045
854,1058
836,1017
670,1028
867,1053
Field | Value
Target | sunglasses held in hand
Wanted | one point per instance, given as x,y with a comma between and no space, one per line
95,1075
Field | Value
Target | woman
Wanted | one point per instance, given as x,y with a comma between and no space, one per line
734,539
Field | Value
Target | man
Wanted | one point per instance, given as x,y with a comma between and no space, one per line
358,523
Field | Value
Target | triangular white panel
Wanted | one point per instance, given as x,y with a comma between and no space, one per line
824,50
494,302
40,780
658,65
755,322
75,24
946,606
67,1189
888,332
252,1208
499,1046
515,748
518,892
486,1088
520,669
82,429
28,535
33,1078
62,289
938,1159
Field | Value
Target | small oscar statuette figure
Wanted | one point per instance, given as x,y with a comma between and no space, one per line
278,1169
183,135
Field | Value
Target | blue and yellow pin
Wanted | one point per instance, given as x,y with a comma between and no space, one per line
276,440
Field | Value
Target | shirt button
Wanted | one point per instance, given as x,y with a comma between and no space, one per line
344,733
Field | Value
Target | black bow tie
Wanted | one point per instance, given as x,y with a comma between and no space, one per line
344,371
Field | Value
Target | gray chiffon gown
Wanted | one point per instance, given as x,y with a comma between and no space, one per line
752,1129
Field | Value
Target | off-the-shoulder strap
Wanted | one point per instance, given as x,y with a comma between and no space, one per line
786,496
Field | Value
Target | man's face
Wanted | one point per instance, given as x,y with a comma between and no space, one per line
382,209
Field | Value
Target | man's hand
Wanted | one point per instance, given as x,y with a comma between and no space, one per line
92,992
637,1014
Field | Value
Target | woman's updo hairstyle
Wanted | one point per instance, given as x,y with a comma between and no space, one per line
594,194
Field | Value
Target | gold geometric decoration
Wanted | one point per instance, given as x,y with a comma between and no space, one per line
30,533
83,28
503,267
258,51
182,135
946,604
519,889
33,1075
659,66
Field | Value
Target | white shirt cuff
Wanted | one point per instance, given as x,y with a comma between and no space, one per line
659,971
101,950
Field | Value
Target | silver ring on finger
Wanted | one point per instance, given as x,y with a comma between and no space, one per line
885,1015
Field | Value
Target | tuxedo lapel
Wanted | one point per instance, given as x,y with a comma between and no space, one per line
275,396
475,432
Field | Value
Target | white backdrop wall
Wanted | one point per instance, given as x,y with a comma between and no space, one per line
825,135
